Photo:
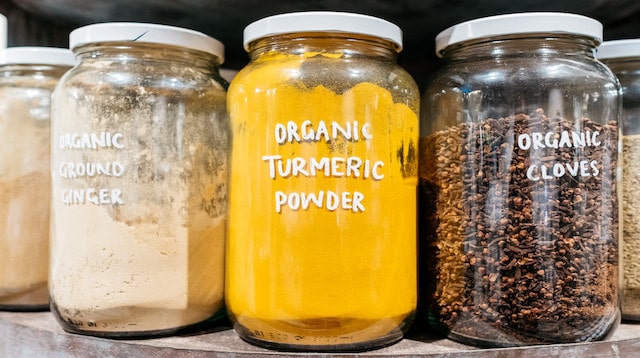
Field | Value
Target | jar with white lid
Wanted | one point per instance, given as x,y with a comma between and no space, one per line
139,176
3,31
28,76
321,249
518,183
623,58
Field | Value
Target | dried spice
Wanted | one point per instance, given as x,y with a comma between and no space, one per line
522,239
28,76
631,226
325,135
139,165
24,190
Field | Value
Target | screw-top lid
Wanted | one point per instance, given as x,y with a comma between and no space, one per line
3,31
323,21
146,33
522,23
37,56
618,49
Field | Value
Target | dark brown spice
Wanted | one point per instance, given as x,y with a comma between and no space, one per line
524,261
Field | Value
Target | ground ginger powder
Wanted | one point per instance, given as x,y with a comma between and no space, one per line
139,203
321,240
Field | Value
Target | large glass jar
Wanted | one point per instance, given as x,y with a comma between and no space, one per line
139,170
623,58
322,217
28,76
518,183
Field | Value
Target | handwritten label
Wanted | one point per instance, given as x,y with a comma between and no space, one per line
86,169
555,140
352,167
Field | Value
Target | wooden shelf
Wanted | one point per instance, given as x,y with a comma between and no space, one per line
37,334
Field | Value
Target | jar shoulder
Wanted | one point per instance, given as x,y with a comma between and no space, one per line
110,77
338,75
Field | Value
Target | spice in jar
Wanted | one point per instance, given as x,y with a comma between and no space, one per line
28,76
139,182
623,58
518,184
324,128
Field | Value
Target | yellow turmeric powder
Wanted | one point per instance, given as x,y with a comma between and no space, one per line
321,244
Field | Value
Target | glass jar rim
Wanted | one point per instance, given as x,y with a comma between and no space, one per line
146,33
323,21
519,23
618,49
33,55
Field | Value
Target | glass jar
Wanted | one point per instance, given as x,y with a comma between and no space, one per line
3,31
518,183
139,170
28,76
623,58
321,248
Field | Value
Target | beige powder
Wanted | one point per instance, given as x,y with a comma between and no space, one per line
151,256
631,227
24,192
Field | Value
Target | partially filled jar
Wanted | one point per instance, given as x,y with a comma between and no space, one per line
28,76
518,183
321,248
623,58
139,175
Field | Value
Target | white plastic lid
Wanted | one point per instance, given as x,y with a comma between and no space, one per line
323,21
37,56
3,31
619,49
146,33
522,23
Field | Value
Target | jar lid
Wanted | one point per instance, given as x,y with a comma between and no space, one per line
618,49
323,21
3,31
28,55
522,23
146,33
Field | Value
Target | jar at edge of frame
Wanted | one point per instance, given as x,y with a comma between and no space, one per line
139,176
28,76
623,58
519,211
321,249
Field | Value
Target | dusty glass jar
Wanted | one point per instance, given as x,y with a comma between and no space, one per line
623,58
139,175
518,183
325,131
28,76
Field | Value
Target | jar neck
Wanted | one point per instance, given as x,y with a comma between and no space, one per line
34,75
623,64
532,45
341,45
143,53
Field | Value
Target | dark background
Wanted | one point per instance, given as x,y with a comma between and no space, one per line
48,22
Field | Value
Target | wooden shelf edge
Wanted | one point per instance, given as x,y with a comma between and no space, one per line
37,334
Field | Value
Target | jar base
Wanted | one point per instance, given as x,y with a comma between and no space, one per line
25,308
493,337
123,329
323,334
33,298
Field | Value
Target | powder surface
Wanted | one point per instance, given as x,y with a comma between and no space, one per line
344,263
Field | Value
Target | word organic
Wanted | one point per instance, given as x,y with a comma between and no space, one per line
354,167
